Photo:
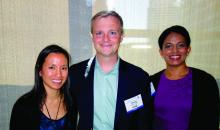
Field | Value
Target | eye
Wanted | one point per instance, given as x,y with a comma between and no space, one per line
181,45
167,46
113,33
64,68
51,67
99,33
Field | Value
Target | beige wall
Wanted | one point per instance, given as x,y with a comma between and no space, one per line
144,20
26,27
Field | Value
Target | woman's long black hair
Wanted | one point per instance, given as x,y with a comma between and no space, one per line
38,89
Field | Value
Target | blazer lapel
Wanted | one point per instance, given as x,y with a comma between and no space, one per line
121,93
89,109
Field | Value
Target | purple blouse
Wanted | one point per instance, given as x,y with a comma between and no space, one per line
173,103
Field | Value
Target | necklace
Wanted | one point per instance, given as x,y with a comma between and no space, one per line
57,110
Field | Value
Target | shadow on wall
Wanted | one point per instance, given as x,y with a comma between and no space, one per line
8,95
218,81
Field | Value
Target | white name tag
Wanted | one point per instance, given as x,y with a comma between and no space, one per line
133,103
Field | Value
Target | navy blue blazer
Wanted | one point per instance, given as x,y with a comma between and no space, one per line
132,82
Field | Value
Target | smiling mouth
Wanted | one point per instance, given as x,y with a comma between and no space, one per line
106,45
176,57
57,81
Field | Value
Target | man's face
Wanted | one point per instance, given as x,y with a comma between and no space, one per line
107,36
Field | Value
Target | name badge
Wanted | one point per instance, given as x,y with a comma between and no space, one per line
133,103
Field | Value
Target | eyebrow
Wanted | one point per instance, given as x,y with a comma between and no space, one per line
172,43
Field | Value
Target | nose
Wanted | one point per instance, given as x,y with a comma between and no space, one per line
106,37
58,73
174,49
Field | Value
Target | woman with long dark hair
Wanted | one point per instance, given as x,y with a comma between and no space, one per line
48,105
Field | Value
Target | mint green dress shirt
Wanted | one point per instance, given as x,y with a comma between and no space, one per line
105,95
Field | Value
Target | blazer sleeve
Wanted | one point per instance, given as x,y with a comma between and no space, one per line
25,114
206,101
17,120
213,105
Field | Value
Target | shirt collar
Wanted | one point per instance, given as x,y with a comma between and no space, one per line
114,70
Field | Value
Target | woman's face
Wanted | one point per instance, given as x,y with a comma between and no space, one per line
54,71
175,50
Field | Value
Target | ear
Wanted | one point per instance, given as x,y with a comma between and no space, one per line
40,73
161,52
122,36
91,35
188,50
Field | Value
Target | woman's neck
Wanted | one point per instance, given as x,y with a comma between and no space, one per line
175,73
53,95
